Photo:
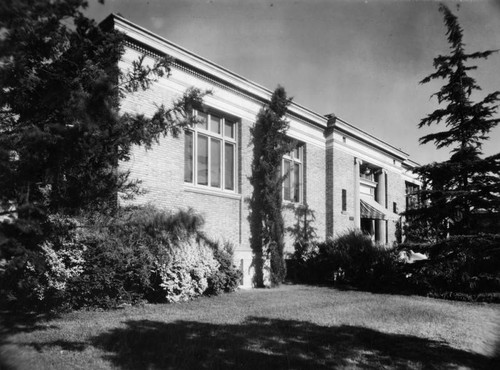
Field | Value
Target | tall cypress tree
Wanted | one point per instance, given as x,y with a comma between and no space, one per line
456,191
266,220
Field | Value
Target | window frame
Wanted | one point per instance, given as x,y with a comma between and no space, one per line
412,196
198,130
293,160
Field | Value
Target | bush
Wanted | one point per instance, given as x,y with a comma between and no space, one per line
38,257
461,267
184,274
304,265
113,273
96,260
143,253
351,258
146,253
227,278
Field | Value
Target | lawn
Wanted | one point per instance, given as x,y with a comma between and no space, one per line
292,327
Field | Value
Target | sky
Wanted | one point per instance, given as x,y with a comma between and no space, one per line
359,59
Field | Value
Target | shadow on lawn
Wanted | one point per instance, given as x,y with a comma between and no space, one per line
15,322
262,343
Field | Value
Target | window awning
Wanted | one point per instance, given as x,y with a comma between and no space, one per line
371,209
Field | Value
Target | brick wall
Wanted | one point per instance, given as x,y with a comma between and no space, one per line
314,194
315,187
161,170
395,193
343,178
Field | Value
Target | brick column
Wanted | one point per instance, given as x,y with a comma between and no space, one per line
329,181
357,205
381,192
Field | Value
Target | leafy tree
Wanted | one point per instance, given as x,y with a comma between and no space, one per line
456,191
266,220
62,135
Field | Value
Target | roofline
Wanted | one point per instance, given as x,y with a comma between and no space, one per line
150,40
140,35
367,137
411,163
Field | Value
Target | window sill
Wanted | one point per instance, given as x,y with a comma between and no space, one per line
214,192
290,203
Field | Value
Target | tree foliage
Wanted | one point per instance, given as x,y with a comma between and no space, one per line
266,220
456,191
62,133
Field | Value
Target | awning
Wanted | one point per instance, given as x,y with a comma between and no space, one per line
371,209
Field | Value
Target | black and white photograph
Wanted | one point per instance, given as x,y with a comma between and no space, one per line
249,184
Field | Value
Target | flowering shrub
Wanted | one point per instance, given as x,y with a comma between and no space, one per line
63,252
98,260
185,275
62,264
39,258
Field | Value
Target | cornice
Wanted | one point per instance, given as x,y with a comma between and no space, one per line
344,127
151,44
155,46
185,68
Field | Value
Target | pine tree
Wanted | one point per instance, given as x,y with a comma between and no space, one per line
62,135
456,191
270,143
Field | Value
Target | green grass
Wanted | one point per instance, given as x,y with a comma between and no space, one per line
293,327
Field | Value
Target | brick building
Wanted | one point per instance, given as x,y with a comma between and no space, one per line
348,177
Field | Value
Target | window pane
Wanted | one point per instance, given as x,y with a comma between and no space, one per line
296,183
202,160
296,153
229,129
215,124
215,163
188,156
229,166
287,181
203,119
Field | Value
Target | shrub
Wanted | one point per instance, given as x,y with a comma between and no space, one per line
113,273
184,274
39,257
227,278
303,265
129,252
351,258
461,267
98,260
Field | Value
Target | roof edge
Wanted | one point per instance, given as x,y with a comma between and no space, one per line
208,67
142,35
369,138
